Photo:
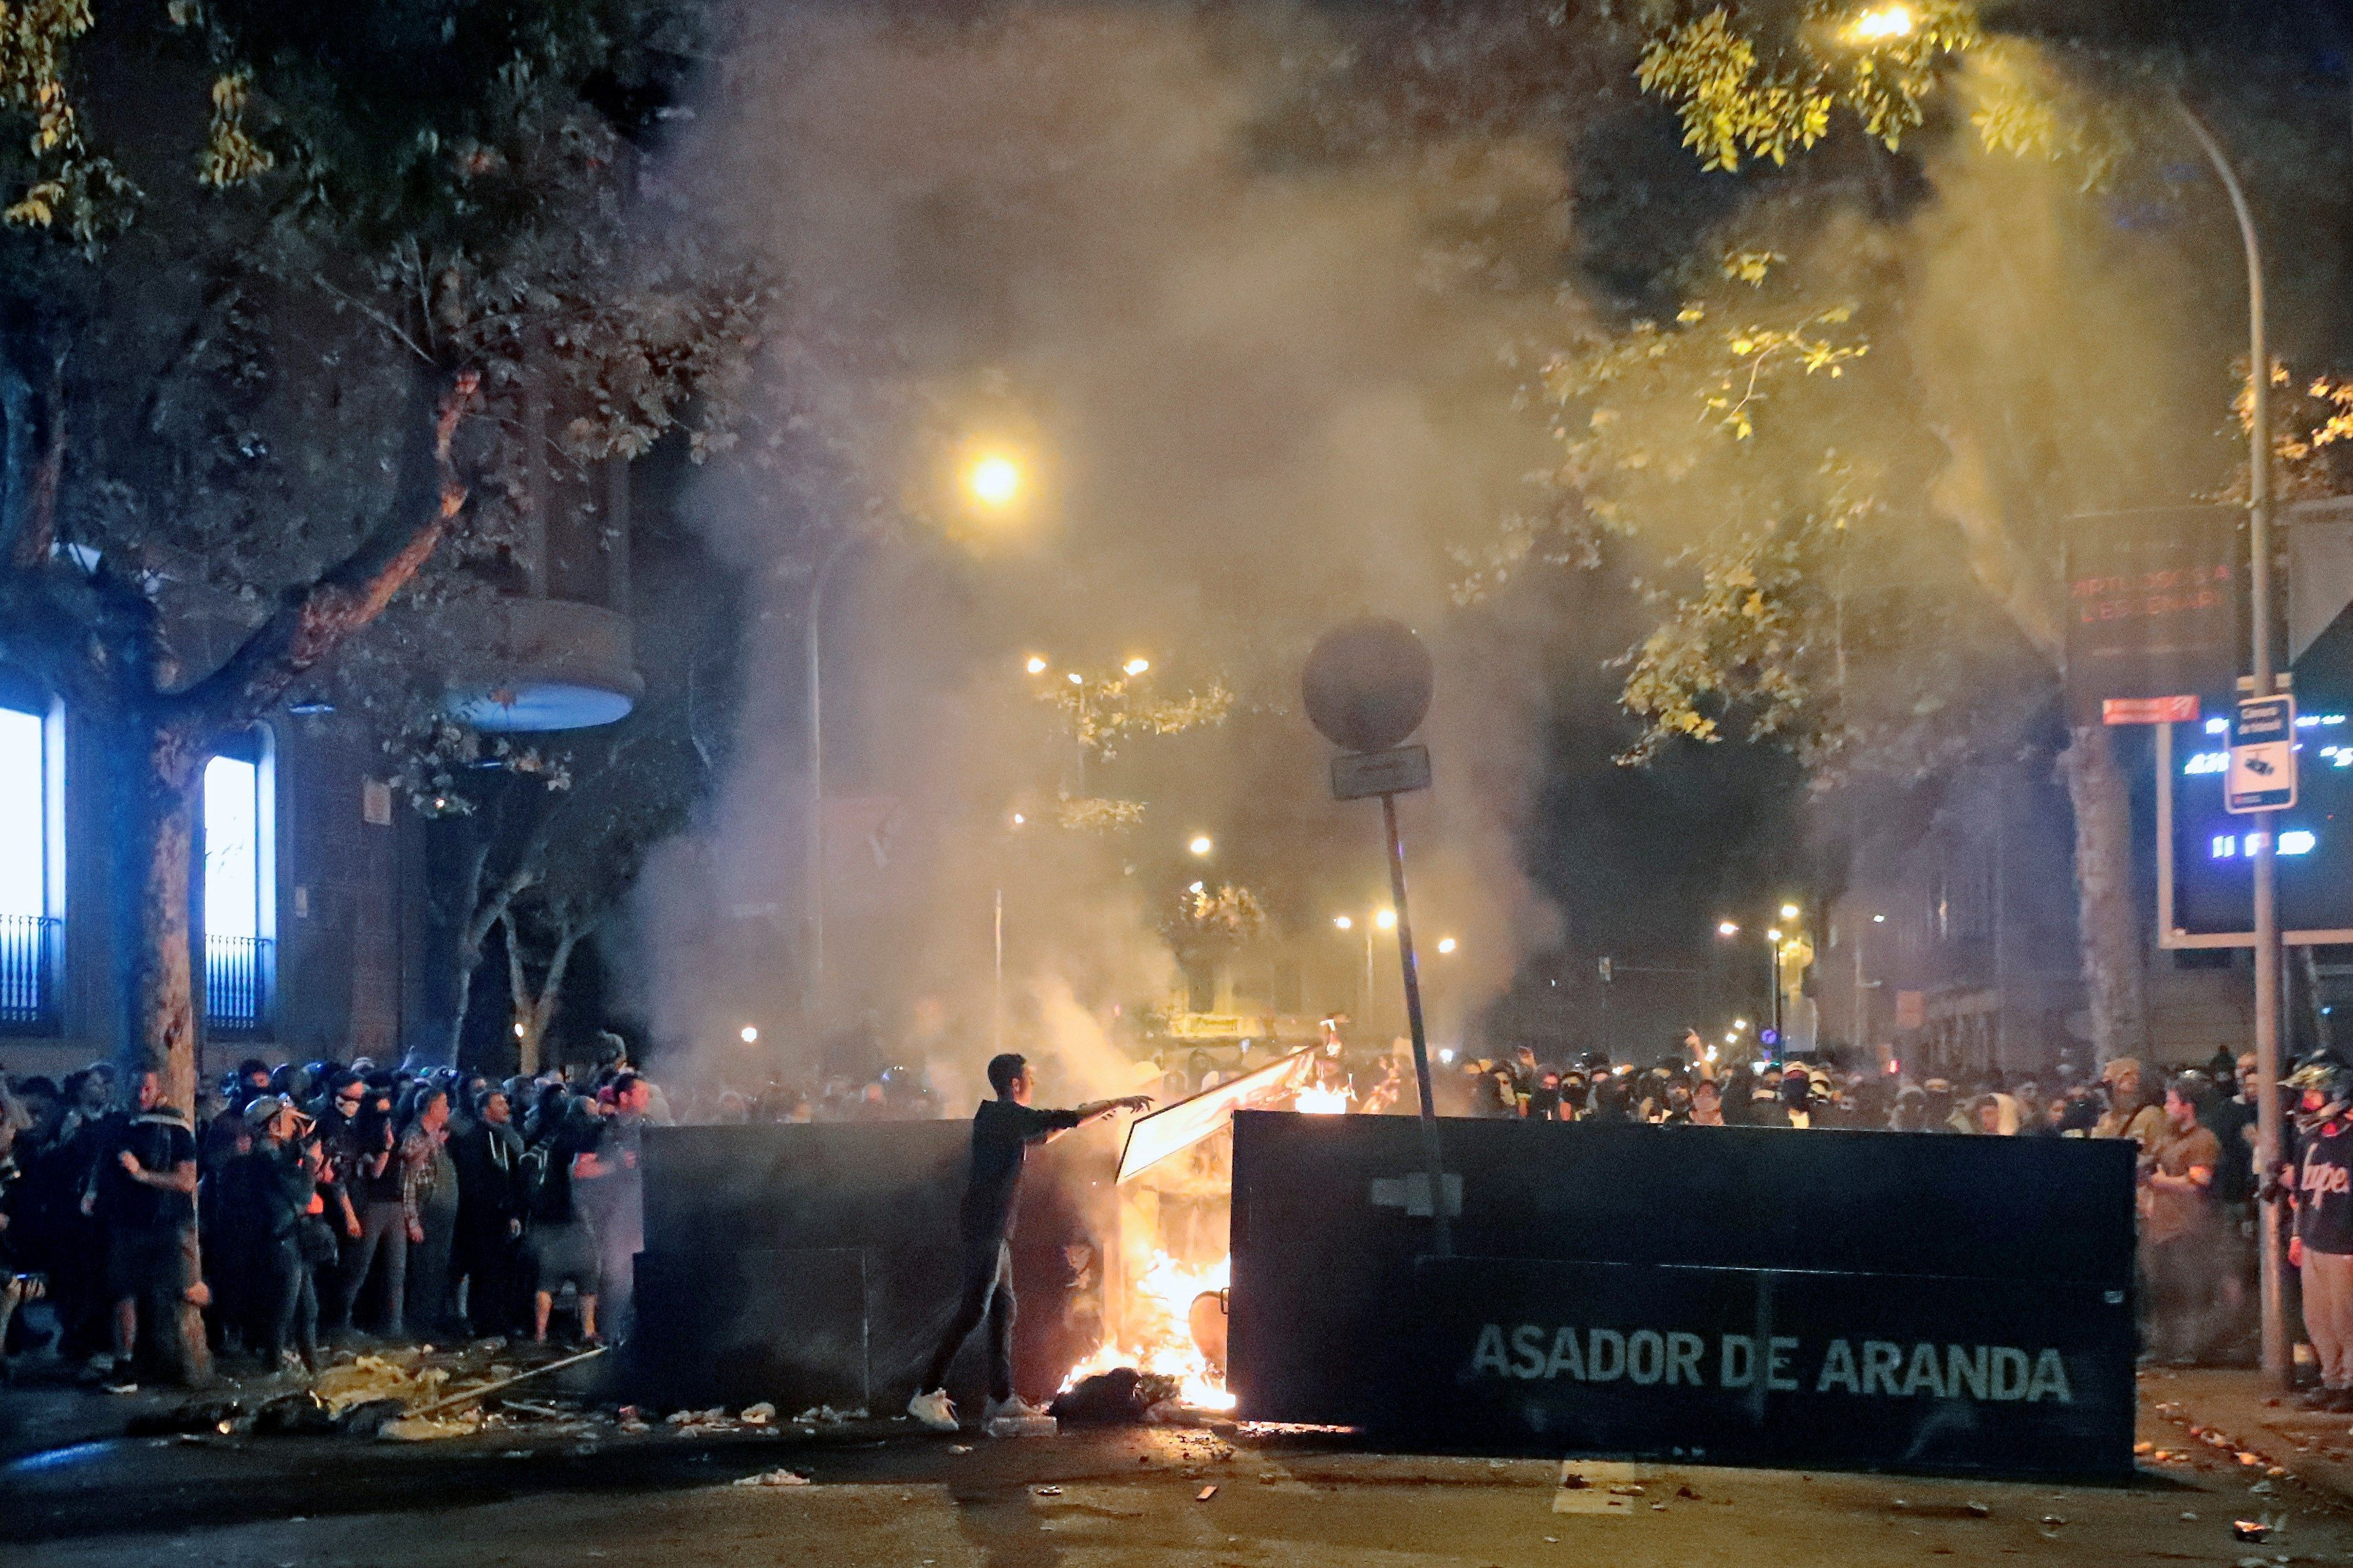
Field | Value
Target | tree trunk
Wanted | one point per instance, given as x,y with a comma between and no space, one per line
2115,978
156,778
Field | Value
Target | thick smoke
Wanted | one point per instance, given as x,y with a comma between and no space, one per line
1247,414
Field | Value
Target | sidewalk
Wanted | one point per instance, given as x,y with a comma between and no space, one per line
2213,1418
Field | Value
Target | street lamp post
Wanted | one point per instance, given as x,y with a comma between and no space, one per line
814,852
2266,868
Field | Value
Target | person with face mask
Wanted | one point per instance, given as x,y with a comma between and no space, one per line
2320,1188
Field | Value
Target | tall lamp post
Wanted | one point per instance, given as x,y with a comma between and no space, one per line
813,856
2267,851
1729,929
993,483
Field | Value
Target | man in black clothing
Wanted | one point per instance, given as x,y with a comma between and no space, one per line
1002,1131
142,1190
488,1156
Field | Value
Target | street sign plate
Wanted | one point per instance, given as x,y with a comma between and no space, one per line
2149,709
2262,756
1397,772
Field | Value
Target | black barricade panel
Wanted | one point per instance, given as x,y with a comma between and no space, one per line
818,1263
1737,1294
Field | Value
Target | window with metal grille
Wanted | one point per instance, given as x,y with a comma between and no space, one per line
32,854
239,874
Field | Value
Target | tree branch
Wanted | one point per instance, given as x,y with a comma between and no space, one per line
311,621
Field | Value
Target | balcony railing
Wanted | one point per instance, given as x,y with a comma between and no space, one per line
237,984
28,955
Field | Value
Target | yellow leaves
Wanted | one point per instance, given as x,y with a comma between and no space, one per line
231,156
37,207
1749,267
1735,101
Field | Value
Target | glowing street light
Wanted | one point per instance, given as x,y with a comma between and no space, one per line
1385,919
1075,678
1202,844
995,480
750,1036
1193,887
1136,666
1882,23
1446,944
1344,922
1789,912
1036,664
1772,936
1726,928
1879,920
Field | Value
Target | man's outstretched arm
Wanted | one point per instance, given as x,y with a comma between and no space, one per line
1096,1109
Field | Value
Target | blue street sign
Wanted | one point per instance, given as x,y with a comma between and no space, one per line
2262,756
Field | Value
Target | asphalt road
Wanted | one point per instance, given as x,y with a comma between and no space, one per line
1131,1499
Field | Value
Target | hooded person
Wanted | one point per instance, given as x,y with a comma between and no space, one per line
2132,1113
1798,1099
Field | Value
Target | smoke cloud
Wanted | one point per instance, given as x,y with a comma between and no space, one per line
1244,413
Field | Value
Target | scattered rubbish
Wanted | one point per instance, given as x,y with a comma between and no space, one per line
1268,1478
2144,1446
2260,1488
959,1447
2249,1529
423,1429
758,1414
773,1479
2247,1458
1595,1488
2276,1470
1023,1426
2052,1521
1049,1491
1687,1493
2188,1516
820,1416
1978,1510
1658,1508
1120,1397
1205,1494
367,1418
1552,1541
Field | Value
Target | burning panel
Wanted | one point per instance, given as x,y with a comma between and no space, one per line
1174,1129
1166,1267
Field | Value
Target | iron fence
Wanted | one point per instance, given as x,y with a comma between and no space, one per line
237,984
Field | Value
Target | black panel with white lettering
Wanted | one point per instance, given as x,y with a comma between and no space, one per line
1990,1251
1737,1365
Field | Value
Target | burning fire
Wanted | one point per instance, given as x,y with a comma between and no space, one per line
1157,1336
1321,1102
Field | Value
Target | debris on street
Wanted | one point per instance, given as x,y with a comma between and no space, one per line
778,1477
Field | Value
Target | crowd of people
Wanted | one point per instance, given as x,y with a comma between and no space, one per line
322,1203
2196,1160
314,1204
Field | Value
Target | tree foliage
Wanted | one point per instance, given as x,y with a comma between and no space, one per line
1763,81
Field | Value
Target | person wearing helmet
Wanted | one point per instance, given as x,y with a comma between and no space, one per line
2179,1248
2321,1248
